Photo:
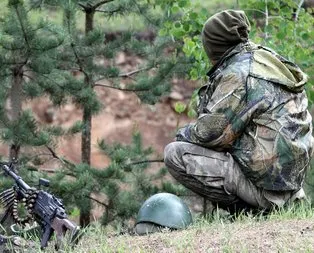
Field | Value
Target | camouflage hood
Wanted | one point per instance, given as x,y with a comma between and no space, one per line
223,31
272,67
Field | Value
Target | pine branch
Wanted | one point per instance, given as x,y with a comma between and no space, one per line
110,13
166,75
22,27
48,78
101,3
94,7
147,161
142,13
82,5
78,61
10,48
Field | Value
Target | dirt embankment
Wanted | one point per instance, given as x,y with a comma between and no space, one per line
248,236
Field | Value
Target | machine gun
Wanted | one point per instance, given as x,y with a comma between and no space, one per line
42,207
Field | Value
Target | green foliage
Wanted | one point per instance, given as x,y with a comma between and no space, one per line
24,132
280,30
187,29
39,59
179,107
58,60
28,70
275,24
84,53
75,128
118,183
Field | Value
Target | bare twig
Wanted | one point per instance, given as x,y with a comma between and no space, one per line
131,73
128,74
96,200
117,88
147,161
298,10
266,19
256,10
52,171
55,155
28,76
274,17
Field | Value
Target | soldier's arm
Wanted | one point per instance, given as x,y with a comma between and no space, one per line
226,114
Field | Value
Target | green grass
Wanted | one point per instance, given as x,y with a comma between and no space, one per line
288,229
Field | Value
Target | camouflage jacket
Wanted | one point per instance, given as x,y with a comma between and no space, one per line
255,107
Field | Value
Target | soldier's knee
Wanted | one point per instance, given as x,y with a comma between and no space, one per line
169,153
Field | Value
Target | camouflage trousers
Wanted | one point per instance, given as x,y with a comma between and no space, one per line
218,177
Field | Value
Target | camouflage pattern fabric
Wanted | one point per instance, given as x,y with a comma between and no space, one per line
211,174
255,108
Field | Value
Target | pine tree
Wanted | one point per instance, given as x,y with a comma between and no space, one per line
79,52
27,65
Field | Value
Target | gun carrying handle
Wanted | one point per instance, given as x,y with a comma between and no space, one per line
48,230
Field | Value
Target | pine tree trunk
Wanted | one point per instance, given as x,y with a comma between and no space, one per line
87,120
86,137
16,106
86,153
89,20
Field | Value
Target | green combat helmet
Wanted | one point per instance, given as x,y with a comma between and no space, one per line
162,210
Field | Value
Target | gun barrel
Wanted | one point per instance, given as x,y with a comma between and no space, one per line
17,178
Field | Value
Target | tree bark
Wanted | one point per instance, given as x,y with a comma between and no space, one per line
16,106
87,120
